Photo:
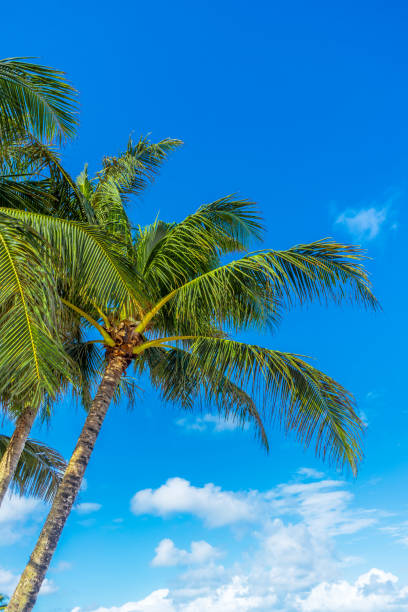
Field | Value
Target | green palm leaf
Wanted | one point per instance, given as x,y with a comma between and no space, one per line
135,168
37,99
39,470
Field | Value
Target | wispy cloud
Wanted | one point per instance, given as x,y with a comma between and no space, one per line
322,504
19,516
398,531
87,508
310,473
363,224
210,422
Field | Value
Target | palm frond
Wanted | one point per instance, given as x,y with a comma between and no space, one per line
32,358
29,194
129,173
252,290
323,270
39,470
36,98
289,392
136,167
92,267
128,391
170,254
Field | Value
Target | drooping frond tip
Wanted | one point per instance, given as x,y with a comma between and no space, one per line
181,381
325,270
290,393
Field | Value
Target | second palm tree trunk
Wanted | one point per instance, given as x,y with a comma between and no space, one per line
26,593
11,457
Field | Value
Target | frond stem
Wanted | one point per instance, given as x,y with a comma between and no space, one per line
103,332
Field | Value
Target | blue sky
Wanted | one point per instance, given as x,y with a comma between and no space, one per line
302,108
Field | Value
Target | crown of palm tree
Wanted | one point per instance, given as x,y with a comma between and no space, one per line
172,282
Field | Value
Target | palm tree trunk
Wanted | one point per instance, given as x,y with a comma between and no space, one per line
11,457
26,592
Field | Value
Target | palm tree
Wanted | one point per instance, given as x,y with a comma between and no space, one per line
3,602
173,321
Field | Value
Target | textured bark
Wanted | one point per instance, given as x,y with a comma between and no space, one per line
26,593
11,457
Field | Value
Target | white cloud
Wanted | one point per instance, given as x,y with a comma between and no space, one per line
17,508
289,562
167,554
375,591
232,597
321,504
214,506
87,508
363,224
18,517
290,556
